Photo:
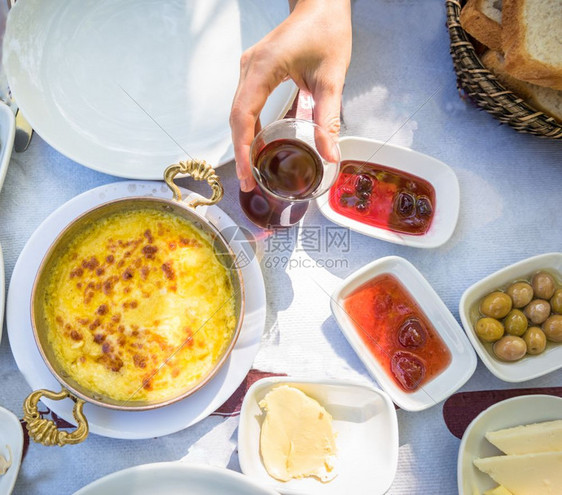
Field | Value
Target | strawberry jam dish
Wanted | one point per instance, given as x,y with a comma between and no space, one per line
383,197
396,332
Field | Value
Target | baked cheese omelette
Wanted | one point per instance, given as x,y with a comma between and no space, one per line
138,307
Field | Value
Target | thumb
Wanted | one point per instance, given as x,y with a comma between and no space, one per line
327,104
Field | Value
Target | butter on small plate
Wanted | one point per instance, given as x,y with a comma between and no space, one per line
366,429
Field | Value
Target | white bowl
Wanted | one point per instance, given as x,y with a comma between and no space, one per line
522,410
11,434
463,358
365,422
441,177
528,367
7,133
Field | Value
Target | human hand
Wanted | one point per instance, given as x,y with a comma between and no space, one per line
313,48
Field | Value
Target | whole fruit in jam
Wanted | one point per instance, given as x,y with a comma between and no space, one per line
363,183
405,204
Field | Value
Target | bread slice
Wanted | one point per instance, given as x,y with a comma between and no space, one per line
482,20
532,41
546,100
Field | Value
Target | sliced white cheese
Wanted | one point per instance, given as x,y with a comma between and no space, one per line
498,490
528,474
529,439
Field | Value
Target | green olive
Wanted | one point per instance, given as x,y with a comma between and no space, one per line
538,310
543,285
521,294
510,348
535,339
552,328
515,322
497,305
489,329
556,301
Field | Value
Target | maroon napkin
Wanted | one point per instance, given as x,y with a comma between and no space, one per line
461,408
232,405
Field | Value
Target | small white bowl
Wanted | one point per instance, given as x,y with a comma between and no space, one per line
522,410
11,434
463,358
438,174
7,133
364,419
528,367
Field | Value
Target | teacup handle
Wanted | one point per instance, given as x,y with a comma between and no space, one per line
45,431
199,170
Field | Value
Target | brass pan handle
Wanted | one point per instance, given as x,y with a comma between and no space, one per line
199,170
45,431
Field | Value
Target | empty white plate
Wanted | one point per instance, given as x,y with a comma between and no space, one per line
171,478
130,87
366,427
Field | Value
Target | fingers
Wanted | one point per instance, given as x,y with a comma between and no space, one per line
255,86
327,104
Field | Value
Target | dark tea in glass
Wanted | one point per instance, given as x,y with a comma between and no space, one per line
289,172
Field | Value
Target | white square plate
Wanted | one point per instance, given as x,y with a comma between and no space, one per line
438,174
528,367
463,358
365,422
522,410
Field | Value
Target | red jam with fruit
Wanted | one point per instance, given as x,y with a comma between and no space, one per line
397,332
383,197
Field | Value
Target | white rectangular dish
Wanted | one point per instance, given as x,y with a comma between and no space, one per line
528,367
438,174
463,358
364,419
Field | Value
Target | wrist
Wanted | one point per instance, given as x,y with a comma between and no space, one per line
319,3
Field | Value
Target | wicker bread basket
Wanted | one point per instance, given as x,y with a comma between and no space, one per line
485,90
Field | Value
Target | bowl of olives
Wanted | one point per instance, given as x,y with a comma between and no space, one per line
513,318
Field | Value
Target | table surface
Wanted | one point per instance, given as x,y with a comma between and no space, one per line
401,88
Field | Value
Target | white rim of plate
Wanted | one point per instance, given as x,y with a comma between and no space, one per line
180,467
